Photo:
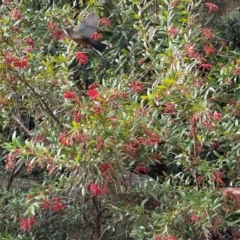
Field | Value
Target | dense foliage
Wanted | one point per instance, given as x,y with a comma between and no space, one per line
82,132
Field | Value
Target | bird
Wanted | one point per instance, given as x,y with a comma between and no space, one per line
82,33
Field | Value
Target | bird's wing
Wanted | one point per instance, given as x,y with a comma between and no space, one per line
88,26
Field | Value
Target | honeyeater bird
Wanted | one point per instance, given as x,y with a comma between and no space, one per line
82,33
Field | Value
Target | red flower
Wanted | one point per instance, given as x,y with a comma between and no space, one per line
29,42
209,49
6,2
20,63
16,14
57,205
97,190
105,22
8,58
100,143
211,6
194,218
217,116
93,85
56,32
106,170
236,72
96,36
172,31
141,169
69,95
65,140
54,204
28,223
217,177
170,108
190,51
205,67
81,58
45,205
136,86
97,110
93,93
207,33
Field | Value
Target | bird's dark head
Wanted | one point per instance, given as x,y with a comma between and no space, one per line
68,31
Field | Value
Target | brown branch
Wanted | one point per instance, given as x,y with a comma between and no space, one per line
21,125
97,218
42,103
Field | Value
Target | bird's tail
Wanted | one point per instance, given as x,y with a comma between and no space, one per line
97,45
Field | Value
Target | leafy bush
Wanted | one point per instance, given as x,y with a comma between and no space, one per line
161,100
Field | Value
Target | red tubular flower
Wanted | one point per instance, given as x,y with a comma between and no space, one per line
207,33
96,36
217,116
217,177
137,86
54,204
211,6
93,93
141,169
20,63
57,205
16,14
209,49
105,22
56,32
97,190
190,51
81,58
45,205
69,95
172,31
195,218
106,170
65,140
29,42
28,223
8,58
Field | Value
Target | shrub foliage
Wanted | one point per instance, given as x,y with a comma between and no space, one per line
136,143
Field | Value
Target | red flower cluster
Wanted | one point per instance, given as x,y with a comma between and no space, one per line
191,51
207,33
195,218
217,116
69,95
96,36
137,86
205,67
65,140
81,58
211,6
8,59
100,143
141,169
172,31
54,204
16,14
170,109
29,41
56,32
217,177
93,93
28,223
105,22
106,170
209,49
97,191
